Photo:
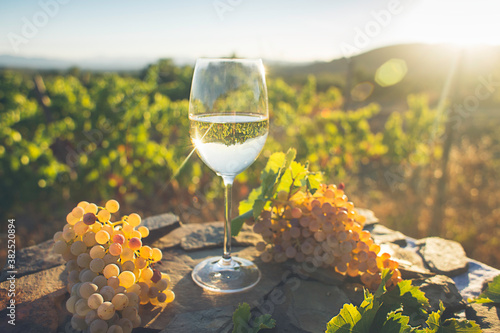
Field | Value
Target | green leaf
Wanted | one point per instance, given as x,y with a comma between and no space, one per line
491,294
313,181
345,320
258,206
410,298
237,222
436,325
241,320
396,323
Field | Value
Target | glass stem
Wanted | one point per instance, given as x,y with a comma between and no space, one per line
228,184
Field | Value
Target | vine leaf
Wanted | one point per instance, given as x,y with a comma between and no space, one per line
242,320
491,294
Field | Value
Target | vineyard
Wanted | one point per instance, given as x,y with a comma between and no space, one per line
67,137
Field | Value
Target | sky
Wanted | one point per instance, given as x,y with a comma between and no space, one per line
286,30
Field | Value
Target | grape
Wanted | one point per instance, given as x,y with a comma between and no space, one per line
127,254
129,313
133,299
100,281
89,239
146,274
290,252
261,246
95,300
81,307
266,256
110,259
107,293
70,303
87,289
135,288
113,282
102,237
120,301
118,238
89,218
91,316
58,236
141,263
162,284
125,324
156,276
128,266
60,247
115,249
78,322
111,270
71,219
127,279
87,275
135,244
78,247
115,329
103,215
78,212
68,235
73,276
134,219
83,260
112,206
97,265
91,208
156,255
170,295
71,265
97,251
99,326
162,298
80,228
144,231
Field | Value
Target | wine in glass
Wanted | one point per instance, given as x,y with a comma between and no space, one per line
229,123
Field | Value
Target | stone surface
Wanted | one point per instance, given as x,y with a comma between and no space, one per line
40,301
160,225
441,288
382,234
443,256
300,297
486,315
411,264
370,216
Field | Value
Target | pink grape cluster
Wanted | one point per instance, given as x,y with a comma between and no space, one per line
110,271
324,229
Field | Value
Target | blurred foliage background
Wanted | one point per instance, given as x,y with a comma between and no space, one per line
425,158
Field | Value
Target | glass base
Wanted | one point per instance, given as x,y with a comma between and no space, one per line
226,275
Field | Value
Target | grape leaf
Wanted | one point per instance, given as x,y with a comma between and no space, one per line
436,325
241,320
491,294
396,322
345,321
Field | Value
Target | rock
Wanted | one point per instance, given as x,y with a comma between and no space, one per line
411,264
312,304
441,288
382,234
34,259
370,216
159,226
209,320
306,270
486,315
443,256
40,301
196,236
472,282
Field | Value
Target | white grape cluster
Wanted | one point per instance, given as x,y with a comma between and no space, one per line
110,272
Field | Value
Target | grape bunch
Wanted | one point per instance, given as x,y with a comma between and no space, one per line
110,271
324,230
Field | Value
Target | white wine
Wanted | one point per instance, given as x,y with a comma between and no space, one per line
229,143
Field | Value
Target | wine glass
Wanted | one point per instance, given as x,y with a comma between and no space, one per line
229,123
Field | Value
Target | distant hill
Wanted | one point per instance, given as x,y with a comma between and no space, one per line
427,65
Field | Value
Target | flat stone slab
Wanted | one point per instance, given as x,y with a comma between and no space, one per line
381,234
486,315
411,264
443,256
